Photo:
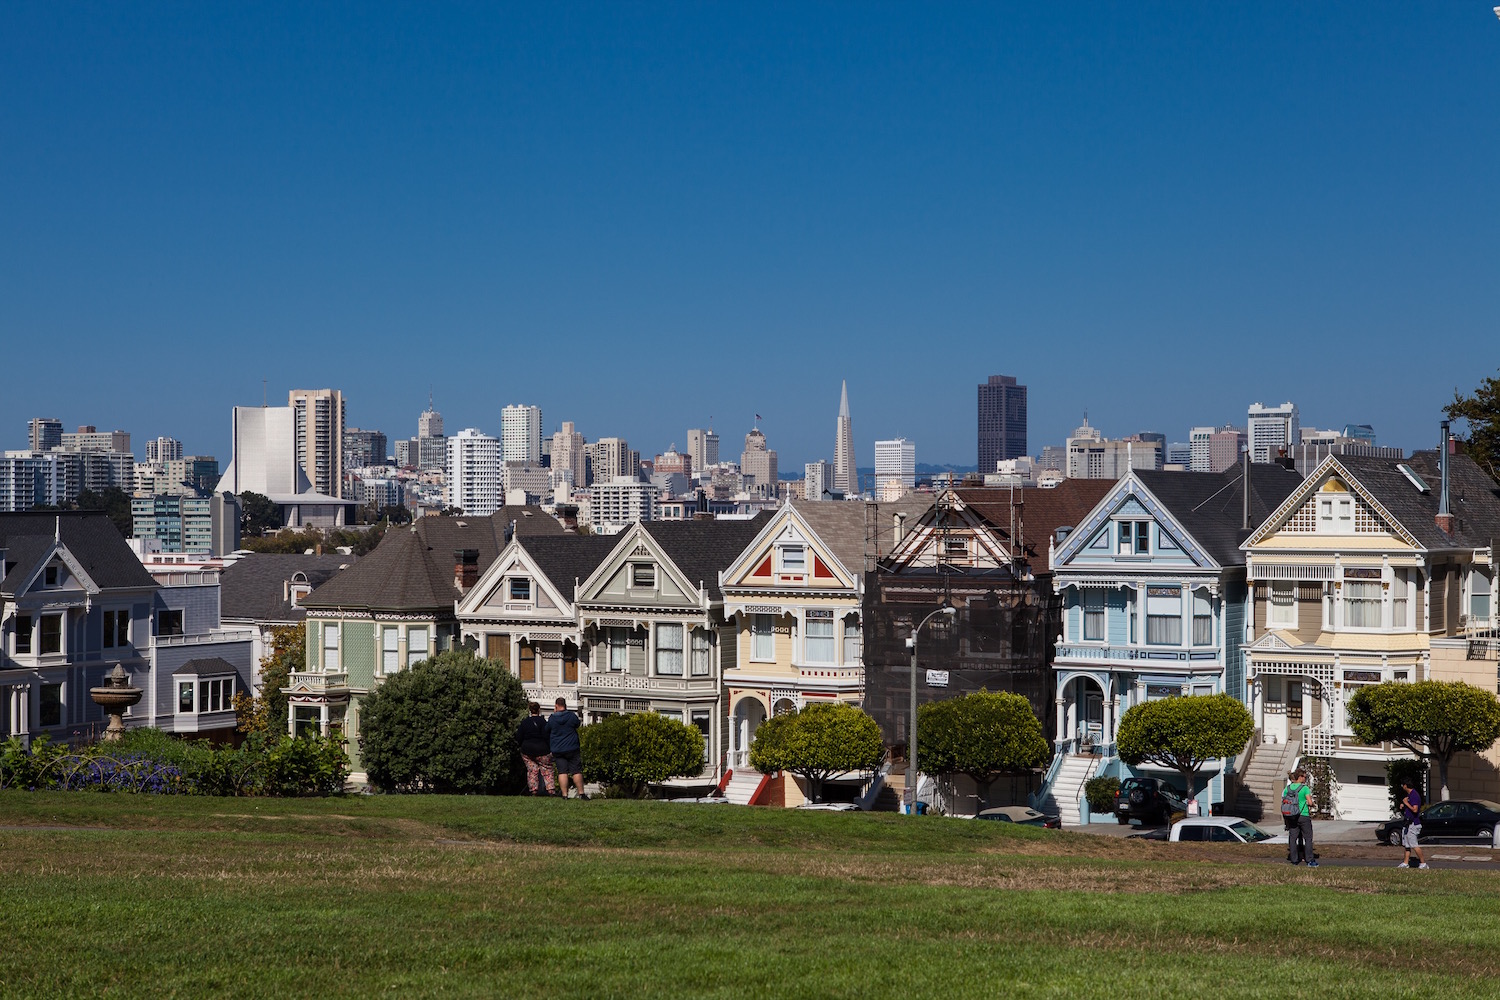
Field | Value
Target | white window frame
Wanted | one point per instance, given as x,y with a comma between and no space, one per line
416,652
825,644
701,664
1347,604
667,656
332,640
1282,615
390,649
618,641
853,642
640,571
510,589
788,565
763,641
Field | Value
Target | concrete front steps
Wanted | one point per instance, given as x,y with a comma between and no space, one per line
1259,794
1066,793
743,785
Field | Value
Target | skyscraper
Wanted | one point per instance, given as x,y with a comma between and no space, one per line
895,468
567,453
318,426
759,462
45,433
845,476
474,473
163,449
703,448
521,433
1272,428
817,479
1002,421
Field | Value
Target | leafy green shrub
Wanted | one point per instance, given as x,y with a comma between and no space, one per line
1408,770
1100,793
445,725
1432,719
1184,733
817,742
983,735
631,752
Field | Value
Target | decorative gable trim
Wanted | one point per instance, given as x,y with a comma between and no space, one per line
1314,484
1130,491
787,525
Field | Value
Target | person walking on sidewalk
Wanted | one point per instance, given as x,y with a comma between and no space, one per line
536,751
1296,812
1411,812
562,729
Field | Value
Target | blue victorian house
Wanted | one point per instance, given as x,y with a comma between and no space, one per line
1154,605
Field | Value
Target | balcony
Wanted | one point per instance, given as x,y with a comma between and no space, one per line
206,638
317,680
630,682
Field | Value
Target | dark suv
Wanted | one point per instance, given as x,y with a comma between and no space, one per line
1150,800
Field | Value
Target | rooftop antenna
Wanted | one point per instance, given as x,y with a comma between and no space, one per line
263,393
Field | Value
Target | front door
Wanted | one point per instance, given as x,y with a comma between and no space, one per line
1294,704
1093,716
1273,709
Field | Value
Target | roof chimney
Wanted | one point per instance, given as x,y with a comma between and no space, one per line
1444,515
465,569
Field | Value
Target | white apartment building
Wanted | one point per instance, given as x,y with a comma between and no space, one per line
318,431
521,433
163,449
817,479
895,468
1272,428
619,503
474,473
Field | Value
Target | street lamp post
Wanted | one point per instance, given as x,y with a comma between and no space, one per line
911,736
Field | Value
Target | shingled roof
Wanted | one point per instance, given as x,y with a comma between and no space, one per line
412,567
256,587
1042,511
1210,505
860,533
567,559
1474,498
703,549
91,537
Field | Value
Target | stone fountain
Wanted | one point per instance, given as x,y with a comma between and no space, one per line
115,696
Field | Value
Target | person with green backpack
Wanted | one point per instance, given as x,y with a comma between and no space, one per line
1296,815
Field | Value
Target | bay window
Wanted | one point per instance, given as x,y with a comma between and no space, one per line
1479,597
852,641
1281,609
331,649
701,665
416,646
669,650
51,634
762,637
618,640
1164,616
1093,615
1361,604
1203,620
817,639
390,650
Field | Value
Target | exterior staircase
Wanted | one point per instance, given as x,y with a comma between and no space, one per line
1259,794
743,784
1065,794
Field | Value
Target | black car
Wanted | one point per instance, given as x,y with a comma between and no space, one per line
1456,819
1150,800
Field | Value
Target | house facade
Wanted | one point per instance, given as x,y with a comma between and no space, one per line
1154,600
521,612
654,632
392,609
1354,577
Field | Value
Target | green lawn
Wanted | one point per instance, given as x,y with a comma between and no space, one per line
140,896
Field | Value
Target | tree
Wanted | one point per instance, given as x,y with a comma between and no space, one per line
287,655
982,735
1184,733
1482,413
114,502
1432,719
445,725
259,514
634,751
818,742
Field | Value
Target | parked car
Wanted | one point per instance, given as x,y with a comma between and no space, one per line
1022,815
1222,830
1455,819
1148,800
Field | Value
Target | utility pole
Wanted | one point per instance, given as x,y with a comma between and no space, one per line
911,735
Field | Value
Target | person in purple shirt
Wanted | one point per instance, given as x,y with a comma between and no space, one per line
1411,811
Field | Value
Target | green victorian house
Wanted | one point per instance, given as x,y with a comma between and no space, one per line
394,608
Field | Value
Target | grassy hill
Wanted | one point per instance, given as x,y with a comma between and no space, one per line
139,896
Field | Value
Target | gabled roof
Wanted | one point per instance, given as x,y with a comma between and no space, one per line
567,559
1042,511
255,587
704,549
412,567
208,666
859,533
1210,505
90,537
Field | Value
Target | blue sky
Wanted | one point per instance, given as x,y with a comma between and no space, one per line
638,217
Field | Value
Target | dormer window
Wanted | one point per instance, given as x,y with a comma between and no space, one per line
955,550
520,588
1135,538
49,576
643,575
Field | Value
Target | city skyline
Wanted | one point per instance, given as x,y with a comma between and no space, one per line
1218,200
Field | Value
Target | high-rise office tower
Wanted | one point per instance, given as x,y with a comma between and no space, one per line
611,458
521,433
429,422
363,448
44,433
759,462
703,448
817,480
163,449
895,468
1272,428
845,476
568,453
1002,421
318,426
475,473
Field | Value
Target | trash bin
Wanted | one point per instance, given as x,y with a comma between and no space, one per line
921,809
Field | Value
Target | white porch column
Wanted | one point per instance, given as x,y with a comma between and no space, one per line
1061,723
323,719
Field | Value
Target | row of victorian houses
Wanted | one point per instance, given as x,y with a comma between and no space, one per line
1287,594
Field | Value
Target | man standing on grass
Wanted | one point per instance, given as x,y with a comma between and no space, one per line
536,750
1296,809
1411,811
562,731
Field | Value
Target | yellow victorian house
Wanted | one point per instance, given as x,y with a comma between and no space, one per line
794,597
1356,574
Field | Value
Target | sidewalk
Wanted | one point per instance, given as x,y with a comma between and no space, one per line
1330,831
